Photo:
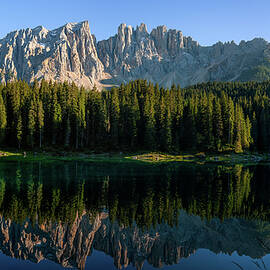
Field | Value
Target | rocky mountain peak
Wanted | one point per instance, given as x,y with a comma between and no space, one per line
67,53
160,31
121,28
142,28
165,56
78,26
40,31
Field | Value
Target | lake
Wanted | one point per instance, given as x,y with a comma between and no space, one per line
59,215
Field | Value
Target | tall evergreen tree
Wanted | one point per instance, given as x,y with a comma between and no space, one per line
114,117
40,121
19,130
3,119
217,124
31,124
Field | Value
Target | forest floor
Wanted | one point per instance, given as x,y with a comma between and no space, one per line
142,157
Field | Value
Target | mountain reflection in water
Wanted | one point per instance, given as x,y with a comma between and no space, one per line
63,212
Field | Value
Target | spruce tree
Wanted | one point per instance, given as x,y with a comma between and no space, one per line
40,121
3,119
114,118
31,124
217,124
149,124
19,130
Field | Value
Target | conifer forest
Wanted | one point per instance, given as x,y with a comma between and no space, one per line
139,115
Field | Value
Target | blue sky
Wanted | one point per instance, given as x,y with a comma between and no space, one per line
207,21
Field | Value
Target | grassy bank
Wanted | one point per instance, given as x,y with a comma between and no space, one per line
149,157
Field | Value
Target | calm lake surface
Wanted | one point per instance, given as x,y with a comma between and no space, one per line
90,216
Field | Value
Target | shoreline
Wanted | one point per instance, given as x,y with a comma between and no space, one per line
134,158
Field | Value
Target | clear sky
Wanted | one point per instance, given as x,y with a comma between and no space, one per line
207,21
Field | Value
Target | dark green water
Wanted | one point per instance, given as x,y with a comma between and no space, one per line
79,215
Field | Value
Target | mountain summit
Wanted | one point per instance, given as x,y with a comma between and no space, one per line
71,53
67,53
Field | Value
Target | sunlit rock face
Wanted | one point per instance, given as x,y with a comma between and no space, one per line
71,53
64,54
167,57
159,56
69,245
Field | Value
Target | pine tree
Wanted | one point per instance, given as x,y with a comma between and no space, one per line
188,140
203,123
238,130
56,121
166,134
19,130
56,117
133,119
149,125
67,131
217,124
81,118
31,124
40,121
114,115
227,108
264,123
254,130
3,119
247,139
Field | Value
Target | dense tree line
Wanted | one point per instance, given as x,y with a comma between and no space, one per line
136,116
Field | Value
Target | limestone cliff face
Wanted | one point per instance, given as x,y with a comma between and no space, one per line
69,245
167,57
70,53
64,54
160,56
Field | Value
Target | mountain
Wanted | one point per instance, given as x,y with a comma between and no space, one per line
70,244
64,54
71,53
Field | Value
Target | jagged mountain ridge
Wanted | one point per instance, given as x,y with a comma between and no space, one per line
71,53
69,245
64,54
